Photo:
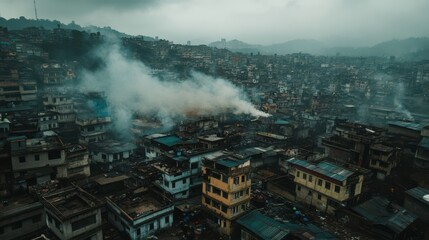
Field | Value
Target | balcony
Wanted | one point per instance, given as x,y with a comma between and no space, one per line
92,121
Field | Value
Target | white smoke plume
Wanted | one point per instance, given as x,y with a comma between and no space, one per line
130,87
397,101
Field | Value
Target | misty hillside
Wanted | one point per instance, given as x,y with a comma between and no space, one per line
22,22
409,49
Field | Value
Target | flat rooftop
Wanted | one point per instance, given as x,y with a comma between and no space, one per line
69,202
382,148
211,138
112,146
103,180
140,202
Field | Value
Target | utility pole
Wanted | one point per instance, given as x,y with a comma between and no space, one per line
35,9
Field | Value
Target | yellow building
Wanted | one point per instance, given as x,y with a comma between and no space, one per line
226,191
326,185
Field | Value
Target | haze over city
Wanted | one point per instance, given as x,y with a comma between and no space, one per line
335,22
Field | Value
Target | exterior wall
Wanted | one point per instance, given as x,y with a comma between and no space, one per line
64,230
303,178
28,219
31,162
320,192
178,186
140,228
228,197
103,157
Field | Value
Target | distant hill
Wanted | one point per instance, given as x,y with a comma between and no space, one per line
22,22
407,49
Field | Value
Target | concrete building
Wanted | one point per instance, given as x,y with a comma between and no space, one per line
46,121
31,155
108,153
62,106
72,213
175,173
21,218
92,128
226,191
141,212
422,152
77,162
351,142
326,186
382,160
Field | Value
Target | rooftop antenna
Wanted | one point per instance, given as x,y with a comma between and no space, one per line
35,9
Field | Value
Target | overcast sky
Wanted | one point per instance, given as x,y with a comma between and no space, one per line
351,22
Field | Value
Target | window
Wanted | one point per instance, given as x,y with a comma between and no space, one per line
54,154
337,189
247,191
166,183
310,193
304,176
84,222
310,178
224,208
243,178
103,156
184,181
224,194
36,218
138,231
16,225
319,196
151,226
236,195
75,170
36,157
224,178
194,165
167,219
319,182
236,180
173,184
216,191
327,185
22,159
297,173
298,188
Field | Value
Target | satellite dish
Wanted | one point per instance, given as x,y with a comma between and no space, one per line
426,197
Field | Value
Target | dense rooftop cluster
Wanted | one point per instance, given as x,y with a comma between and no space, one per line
344,153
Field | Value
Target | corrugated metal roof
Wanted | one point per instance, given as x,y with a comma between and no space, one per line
168,140
227,162
377,211
410,125
424,142
325,168
264,227
418,193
